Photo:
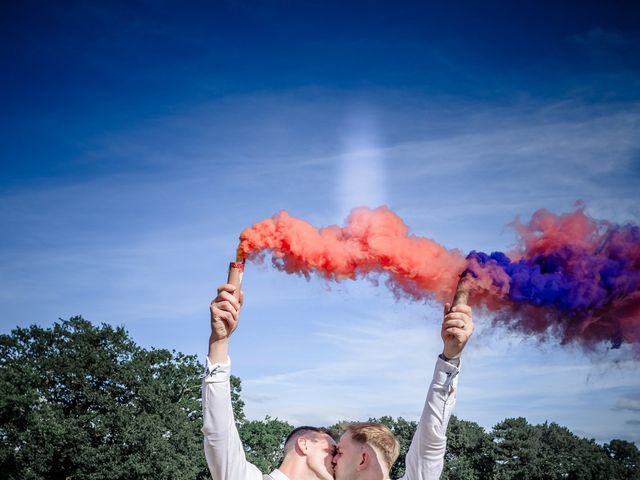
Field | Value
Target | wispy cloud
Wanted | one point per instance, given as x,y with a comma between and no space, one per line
628,403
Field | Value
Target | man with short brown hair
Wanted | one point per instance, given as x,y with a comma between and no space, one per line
308,450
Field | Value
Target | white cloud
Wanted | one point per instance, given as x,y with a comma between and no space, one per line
627,403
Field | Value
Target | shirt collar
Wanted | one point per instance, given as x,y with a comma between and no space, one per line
278,475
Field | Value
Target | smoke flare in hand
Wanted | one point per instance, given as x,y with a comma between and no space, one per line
572,276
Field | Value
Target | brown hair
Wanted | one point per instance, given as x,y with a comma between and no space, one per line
303,431
378,436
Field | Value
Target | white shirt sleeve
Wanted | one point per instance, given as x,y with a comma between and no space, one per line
425,458
222,446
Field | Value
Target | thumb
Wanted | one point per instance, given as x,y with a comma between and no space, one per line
447,307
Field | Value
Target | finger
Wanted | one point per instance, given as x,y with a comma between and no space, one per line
227,287
227,319
454,322
223,316
458,323
459,316
241,299
224,306
230,320
227,307
462,308
458,333
228,297
447,307
220,306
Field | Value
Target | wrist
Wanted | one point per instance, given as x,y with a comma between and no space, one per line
214,339
453,360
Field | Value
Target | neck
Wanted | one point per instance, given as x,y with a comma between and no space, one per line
374,476
296,470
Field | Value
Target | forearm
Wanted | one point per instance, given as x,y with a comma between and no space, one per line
425,459
218,350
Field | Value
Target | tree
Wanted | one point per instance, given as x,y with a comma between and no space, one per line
85,402
626,459
263,442
470,451
565,455
518,450
549,452
236,402
403,430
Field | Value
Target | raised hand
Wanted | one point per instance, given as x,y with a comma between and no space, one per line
457,327
225,312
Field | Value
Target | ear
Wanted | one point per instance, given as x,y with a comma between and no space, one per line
365,460
301,445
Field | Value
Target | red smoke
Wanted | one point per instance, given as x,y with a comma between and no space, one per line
372,241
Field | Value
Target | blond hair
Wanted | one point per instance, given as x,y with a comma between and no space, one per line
378,436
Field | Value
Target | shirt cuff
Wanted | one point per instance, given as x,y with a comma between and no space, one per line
217,372
444,373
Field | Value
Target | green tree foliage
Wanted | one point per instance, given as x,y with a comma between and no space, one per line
85,402
549,451
263,442
565,455
470,451
518,450
626,458
82,402
236,402
403,430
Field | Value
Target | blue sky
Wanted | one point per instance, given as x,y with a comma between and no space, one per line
139,139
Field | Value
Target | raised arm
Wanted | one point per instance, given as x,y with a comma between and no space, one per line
425,458
222,446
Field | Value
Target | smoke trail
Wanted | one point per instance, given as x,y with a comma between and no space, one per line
372,241
571,276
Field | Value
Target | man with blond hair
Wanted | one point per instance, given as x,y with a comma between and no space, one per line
366,451
366,447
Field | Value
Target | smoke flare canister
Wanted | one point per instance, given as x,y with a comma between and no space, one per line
236,269
461,296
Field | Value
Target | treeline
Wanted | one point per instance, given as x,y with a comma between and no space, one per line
515,449
85,402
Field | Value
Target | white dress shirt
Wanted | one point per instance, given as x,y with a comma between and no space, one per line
278,475
225,454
